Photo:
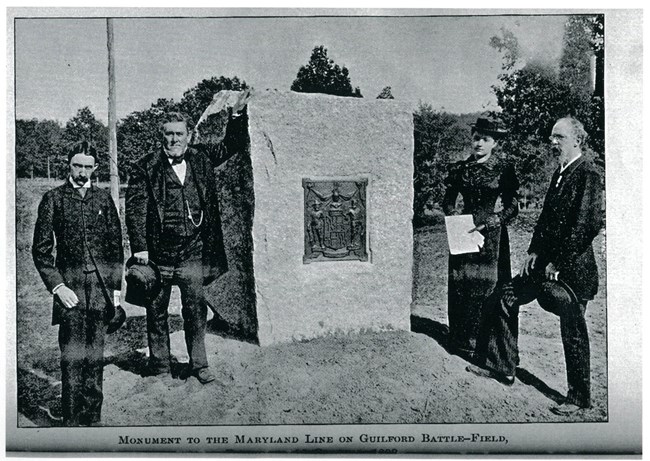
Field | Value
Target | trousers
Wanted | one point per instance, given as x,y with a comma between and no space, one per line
81,341
188,276
498,338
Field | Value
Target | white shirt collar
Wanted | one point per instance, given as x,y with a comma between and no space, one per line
180,169
562,168
86,185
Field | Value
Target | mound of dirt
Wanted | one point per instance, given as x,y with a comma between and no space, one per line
388,377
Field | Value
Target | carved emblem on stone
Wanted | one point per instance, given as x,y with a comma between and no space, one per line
335,220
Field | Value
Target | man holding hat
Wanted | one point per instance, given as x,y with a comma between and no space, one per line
79,223
174,226
560,272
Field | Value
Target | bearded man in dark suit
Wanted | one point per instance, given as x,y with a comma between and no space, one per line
560,272
173,220
79,222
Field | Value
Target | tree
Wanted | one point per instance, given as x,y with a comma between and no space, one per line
582,67
138,134
575,62
49,135
27,151
533,98
38,148
321,75
533,95
386,93
196,99
84,126
439,137
508,45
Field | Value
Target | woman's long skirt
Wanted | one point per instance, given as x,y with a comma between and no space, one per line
472,277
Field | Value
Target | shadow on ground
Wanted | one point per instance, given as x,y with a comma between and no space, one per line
123,349
439,332
530,379
219,326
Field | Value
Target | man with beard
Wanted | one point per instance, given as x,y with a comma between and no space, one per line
173,220
79,223
560,272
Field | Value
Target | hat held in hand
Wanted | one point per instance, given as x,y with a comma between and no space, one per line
143,282
556,296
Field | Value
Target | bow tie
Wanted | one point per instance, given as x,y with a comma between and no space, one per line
177,160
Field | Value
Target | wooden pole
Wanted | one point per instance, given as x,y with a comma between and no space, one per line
112,117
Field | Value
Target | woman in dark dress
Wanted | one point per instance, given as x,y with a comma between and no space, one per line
481,179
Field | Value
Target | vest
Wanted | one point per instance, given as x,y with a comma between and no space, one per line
87,209
182,217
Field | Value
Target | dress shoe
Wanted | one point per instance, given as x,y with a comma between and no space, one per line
566,409
204,375
487,373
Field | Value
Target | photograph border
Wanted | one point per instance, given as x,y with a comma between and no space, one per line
621,433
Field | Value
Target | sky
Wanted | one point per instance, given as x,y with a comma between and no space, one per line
61,64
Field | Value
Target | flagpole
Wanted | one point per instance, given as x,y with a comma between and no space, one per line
112,117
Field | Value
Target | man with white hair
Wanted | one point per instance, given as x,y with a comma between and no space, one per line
173,220
560,272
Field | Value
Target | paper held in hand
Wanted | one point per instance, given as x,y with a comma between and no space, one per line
460,240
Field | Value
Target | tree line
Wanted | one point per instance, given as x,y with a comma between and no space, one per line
530,95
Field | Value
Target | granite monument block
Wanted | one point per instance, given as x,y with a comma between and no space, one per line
317,212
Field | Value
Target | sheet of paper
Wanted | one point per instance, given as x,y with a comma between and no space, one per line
460,239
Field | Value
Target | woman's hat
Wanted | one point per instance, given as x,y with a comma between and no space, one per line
488,126
143,282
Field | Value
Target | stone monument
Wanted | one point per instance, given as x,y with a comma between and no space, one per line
316,213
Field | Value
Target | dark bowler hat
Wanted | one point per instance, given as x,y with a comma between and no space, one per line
556,293
553,296
119,317
488,126
143,282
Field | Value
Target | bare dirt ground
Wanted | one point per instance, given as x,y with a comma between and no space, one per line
374,377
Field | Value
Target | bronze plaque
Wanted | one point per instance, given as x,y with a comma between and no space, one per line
335,220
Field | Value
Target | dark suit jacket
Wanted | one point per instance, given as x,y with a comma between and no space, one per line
59,226
145,198
570,220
